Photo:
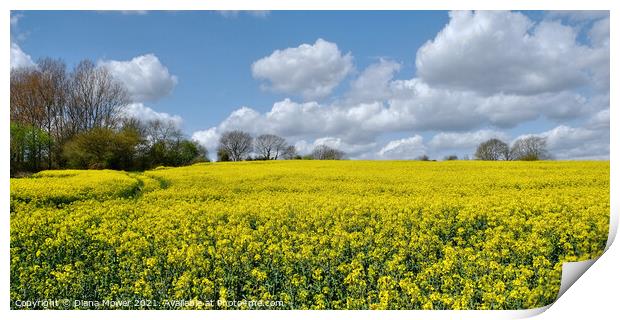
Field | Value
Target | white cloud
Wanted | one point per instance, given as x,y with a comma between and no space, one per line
505,52
599,33
19,59
418,106
407,148
598,121
246,119
357,129
307,120
483,72
350,150
299,123
312,71
145,114
464,140
509,110
207,138
599,37
144,76
373,83
414,106
303,147
566,142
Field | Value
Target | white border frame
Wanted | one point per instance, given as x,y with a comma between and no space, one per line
595,294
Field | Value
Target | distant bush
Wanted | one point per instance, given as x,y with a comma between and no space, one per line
423,158
132,148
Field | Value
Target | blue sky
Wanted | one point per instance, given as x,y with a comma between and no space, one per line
349,79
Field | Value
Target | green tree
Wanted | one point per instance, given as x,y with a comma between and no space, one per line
222,155
101,148
28,147
187,152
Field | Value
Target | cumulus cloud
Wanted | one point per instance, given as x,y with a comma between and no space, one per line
145,114
599,33
207,138
414,106
293,119
311,70
353,150
509,110
600,120
505,52
407,148
599,37
484,72
373,83
210,138
305,124
145,77
566,142
464,140
19,59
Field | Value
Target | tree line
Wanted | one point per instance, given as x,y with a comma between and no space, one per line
73,119
530,148
64,118
238,145
525,149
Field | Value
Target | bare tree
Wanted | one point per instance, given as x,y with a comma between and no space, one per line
52,95
323,152
54,113
493,149
160,131
236,144
38,100
269,146
530,148
26,109
48,99
24,98
95,98
289,153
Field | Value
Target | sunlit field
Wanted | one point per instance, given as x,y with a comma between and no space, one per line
308,234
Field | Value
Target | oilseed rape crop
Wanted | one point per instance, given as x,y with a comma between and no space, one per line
308,234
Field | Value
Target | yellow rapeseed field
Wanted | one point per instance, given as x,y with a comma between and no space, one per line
309,234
